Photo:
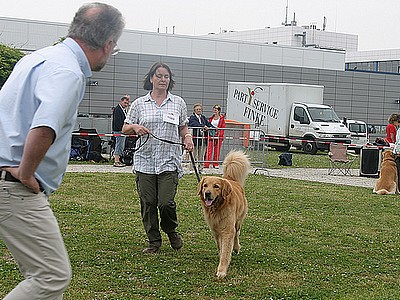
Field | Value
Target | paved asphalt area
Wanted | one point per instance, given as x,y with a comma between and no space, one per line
318,175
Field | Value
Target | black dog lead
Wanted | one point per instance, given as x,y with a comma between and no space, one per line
190,153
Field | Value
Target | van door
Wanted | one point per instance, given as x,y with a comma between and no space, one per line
299,124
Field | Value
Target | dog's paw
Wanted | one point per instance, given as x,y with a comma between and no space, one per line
221,274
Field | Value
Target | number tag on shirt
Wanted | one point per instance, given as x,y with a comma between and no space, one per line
171,117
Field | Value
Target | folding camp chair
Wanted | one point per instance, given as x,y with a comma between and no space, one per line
340,162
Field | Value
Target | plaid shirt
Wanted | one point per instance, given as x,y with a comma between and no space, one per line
155,156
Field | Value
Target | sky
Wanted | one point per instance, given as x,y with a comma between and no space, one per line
376,23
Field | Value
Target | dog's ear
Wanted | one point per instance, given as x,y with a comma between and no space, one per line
226,188
200,186
388,154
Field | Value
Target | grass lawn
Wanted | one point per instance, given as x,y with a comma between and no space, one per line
301,240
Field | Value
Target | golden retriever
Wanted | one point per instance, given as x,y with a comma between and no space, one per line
225,206
387,182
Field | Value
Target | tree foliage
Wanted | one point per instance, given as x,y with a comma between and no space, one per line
8,58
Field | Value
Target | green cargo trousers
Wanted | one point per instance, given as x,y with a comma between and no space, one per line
157,193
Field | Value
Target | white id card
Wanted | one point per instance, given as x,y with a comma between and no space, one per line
171,117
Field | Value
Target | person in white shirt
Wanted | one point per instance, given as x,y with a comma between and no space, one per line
38,109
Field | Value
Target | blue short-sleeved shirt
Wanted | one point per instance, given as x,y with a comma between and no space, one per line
155,156
44,89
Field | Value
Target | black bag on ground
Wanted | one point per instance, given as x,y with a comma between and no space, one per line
285,159
129,151
95,156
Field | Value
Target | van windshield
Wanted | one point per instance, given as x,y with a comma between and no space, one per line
319,114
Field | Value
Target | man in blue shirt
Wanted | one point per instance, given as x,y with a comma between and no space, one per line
38,108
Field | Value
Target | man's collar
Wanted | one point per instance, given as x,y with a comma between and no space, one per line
82,59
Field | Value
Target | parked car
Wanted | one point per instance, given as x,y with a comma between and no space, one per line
359,134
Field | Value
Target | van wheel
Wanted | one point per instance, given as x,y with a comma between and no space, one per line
310,147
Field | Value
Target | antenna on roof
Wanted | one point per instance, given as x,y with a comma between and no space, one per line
286,13
294,22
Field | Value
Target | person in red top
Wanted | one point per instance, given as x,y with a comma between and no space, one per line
215,137
391,129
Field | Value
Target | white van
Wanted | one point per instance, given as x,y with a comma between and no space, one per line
290,114
358,134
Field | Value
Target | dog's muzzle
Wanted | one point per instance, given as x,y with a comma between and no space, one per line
208,199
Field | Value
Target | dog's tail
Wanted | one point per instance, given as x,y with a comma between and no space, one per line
383,192
236,166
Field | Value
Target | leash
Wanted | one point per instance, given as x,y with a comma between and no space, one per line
194,166
183,145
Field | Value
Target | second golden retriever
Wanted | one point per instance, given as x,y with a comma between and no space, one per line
388,177
225,206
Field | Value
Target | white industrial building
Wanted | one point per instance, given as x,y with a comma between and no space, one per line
294,36
203,65
32,35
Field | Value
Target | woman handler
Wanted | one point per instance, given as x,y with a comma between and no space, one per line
158,164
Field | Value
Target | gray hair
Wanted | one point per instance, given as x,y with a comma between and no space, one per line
96,23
